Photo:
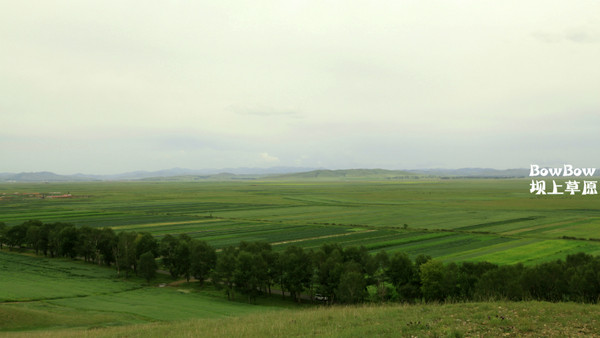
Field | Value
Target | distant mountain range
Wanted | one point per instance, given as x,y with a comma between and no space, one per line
348,174
274,173
43,176
175,173
474,172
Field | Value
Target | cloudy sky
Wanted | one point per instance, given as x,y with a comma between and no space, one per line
111,86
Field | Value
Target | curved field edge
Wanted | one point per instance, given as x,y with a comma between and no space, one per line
459,319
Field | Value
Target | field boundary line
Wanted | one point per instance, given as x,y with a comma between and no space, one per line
321,237
150,225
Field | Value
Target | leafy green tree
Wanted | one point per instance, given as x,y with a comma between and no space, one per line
225,270
271,258
3,229
330,265
267,262
578,259
401,273
250,273
147,266
124,252
468,276
203,259
420,260
167,247
546,281
16,235
503,282
107,241
382,261
68,238
54,237
297,269
452,286
584,283
366,262
86,243
182,261
34,236
433,278
352,286
145,242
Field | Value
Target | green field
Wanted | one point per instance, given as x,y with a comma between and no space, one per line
42,294
66,298
497,220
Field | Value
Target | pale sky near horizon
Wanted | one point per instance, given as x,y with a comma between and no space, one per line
103,87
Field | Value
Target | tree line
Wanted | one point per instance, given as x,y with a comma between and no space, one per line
330,274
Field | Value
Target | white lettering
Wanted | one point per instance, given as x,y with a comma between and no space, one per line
555,171
535,170
568,170
589,171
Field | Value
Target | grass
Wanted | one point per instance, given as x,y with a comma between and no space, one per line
42,294
493,219
452,220
434,320
27,278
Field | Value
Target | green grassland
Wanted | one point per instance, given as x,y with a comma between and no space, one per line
88,300
495,319
42,294
497,220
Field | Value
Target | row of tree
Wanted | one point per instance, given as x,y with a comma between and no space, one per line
330,274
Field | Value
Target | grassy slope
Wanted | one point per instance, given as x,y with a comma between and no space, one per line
468,319
41,294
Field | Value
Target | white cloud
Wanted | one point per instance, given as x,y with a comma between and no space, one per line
269,158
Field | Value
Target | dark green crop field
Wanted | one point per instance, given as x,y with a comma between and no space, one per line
497,220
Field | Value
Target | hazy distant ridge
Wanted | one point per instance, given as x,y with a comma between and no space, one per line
474,172
348,174
276,173
225,173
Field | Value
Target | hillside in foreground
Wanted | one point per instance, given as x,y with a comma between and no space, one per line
448,320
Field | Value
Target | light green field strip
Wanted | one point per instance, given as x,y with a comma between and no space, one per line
535,252
279,234
587,228
321,237
443,246
406,239
351,239
151,225
476,254
542,226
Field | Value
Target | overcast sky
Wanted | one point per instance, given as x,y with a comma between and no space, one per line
111,86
